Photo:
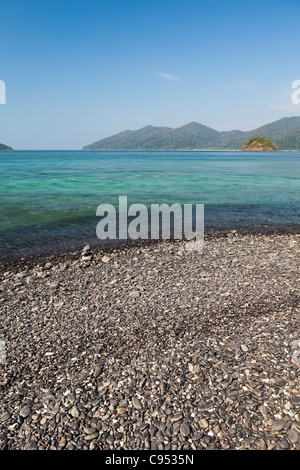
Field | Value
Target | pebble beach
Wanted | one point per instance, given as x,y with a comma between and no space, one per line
154,347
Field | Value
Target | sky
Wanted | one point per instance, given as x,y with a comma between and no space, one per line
78,71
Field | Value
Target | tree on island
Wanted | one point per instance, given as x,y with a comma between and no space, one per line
259,144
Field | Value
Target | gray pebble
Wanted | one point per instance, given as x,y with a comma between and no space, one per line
185,430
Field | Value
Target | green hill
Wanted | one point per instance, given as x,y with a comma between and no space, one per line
284,133
290,142
259,144
5,147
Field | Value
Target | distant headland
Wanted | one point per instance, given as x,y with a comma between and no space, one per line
284,134
5,147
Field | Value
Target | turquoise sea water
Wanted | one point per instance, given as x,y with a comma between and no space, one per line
49,198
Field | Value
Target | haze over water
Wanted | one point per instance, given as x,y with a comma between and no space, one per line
49,198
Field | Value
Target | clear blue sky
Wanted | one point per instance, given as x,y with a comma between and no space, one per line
77,71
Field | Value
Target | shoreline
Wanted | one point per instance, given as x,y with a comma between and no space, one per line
180,150
20,262
155,348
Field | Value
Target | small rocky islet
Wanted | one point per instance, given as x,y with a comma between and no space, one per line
154,347
259,144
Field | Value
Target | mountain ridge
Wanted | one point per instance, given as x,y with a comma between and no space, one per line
285,133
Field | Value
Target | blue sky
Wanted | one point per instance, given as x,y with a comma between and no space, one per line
77,71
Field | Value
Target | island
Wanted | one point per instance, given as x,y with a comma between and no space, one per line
259,144
5,147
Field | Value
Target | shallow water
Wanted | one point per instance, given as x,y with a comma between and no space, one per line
49,198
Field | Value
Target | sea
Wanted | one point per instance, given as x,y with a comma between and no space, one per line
48,199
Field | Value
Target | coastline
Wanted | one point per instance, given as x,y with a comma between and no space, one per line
21,261
154,347
182,150
178,150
